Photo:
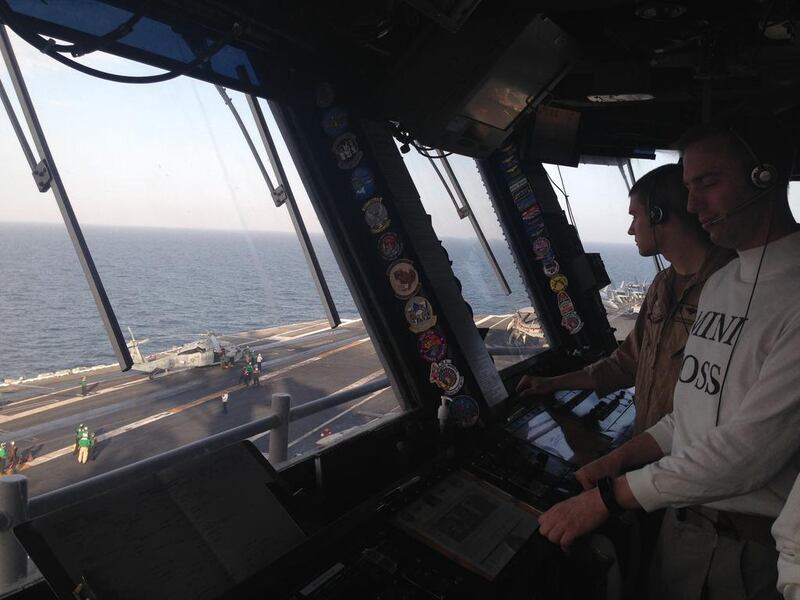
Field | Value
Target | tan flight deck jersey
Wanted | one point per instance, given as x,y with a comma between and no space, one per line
650,357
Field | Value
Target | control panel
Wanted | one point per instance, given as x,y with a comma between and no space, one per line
547,440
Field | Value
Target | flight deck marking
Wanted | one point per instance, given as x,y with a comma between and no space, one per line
55,405
46,407
341,414
360,382
484,319
77,387
179,409
283,336
504,318
66,389
269,376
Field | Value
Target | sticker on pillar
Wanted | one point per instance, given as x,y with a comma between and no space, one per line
419,314
541,247
431,345
559,283
572,322
324,95
509,162
376,215
523,203
345,148
446,377
363,182
534,227
565,305
334,121
390,246
550,267
403,278
519,187
464,411
532,212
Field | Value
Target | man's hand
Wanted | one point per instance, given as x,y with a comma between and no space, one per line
532,386
605,466
567,521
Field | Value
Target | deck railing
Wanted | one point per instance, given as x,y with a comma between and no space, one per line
15,507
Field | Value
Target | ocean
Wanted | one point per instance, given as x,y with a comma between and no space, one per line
173,285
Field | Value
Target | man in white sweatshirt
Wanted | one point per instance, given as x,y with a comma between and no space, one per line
725,460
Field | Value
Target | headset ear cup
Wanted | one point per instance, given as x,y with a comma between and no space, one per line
763,176
656,215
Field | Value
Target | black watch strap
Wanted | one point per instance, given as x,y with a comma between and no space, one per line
606,487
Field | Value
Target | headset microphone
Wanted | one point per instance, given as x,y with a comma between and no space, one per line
738,208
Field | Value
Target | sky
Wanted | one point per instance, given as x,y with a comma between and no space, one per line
171,155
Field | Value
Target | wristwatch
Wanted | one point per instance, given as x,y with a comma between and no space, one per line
606,487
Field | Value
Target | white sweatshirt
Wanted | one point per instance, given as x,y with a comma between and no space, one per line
786,532
749,462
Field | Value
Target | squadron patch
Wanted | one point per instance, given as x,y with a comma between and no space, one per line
376,215
363,182
464,411
572,323
565,305
532,212
419,314
525,201
403,278
559,283
551,267
345,148
446,377
534,227
541,247
390,246
508,163
431,345
334,121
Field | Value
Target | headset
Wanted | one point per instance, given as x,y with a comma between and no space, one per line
763,175
656,213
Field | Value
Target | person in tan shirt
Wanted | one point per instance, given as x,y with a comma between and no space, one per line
650,357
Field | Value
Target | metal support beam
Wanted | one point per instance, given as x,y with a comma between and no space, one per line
60,193
501,279
278,194
279,436
282,192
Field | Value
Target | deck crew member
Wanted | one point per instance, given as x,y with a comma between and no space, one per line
650,356
3,456
725,460
85,444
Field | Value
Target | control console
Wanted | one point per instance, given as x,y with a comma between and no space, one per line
547,440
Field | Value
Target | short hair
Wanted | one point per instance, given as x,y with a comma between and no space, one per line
663,187
752,139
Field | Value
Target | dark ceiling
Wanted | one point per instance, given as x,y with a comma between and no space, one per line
400,59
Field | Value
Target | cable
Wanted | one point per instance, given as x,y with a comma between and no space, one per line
103,41
746,313
51,49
